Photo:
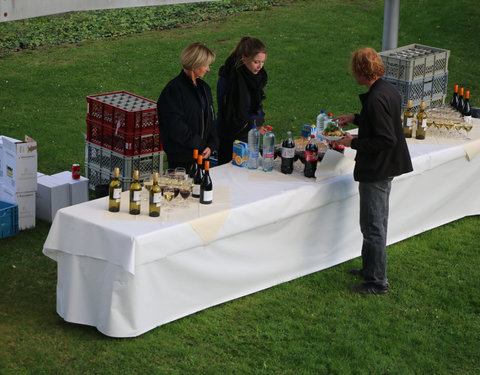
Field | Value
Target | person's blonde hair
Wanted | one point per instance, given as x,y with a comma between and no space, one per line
196,55
367,63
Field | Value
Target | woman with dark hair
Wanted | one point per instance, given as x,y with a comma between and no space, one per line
185,110
240,95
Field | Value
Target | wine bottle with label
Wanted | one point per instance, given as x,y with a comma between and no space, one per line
115,192
135,195
461,101
408,121
467,111
155,197
421,122
206,187
454,100
197,180
193,168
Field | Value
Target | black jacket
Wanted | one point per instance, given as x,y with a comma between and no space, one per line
184,124
382,151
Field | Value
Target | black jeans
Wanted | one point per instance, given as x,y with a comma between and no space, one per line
374,205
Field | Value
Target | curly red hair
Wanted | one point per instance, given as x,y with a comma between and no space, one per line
367,63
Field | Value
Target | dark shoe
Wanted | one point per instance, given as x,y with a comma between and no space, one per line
369,289
356,272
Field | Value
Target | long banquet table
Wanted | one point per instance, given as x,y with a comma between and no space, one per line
126,275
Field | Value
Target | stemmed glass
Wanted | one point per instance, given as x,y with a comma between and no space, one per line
180,173
467,126
185,191
168,194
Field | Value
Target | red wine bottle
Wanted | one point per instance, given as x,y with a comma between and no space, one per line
206,187
467,111
193,168
197,180
461,102
454,100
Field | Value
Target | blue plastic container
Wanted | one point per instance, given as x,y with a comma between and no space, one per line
8,219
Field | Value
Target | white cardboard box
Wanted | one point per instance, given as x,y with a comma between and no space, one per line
19,164
78,188
2,137
51,196
26,206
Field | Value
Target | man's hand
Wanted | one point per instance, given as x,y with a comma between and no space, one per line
347,141
344,120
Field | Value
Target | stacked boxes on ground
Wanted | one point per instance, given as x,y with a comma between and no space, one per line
122,131
420,73
18,177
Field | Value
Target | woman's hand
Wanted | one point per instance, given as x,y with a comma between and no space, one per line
206,153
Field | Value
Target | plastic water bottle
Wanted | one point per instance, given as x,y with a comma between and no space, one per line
322,116
268,150
253,147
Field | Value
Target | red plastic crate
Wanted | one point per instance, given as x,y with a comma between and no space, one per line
126,111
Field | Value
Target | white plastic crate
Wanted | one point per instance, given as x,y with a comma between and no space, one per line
437,101
414,61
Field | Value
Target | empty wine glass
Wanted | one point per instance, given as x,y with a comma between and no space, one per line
180,173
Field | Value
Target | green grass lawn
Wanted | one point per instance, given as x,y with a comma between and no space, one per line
429,324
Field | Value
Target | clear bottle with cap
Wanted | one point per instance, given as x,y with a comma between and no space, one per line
253,147
268,155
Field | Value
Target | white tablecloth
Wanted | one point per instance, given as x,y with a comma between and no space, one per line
126,275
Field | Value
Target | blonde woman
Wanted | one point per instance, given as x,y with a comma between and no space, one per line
186,117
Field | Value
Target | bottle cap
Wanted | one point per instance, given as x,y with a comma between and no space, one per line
409,103
195,153
455,88
200,159
207,165
461,91
467,94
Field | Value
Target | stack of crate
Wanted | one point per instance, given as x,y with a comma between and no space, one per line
122,131
420,73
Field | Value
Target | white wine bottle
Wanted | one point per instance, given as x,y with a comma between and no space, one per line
206,187
155,197
408,121
114,193
135,195
421,122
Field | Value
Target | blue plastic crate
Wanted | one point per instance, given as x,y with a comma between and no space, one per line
8,219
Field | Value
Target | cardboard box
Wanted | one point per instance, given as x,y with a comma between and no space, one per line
51,196
78,188
19,164
26,206
239,153
2,137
